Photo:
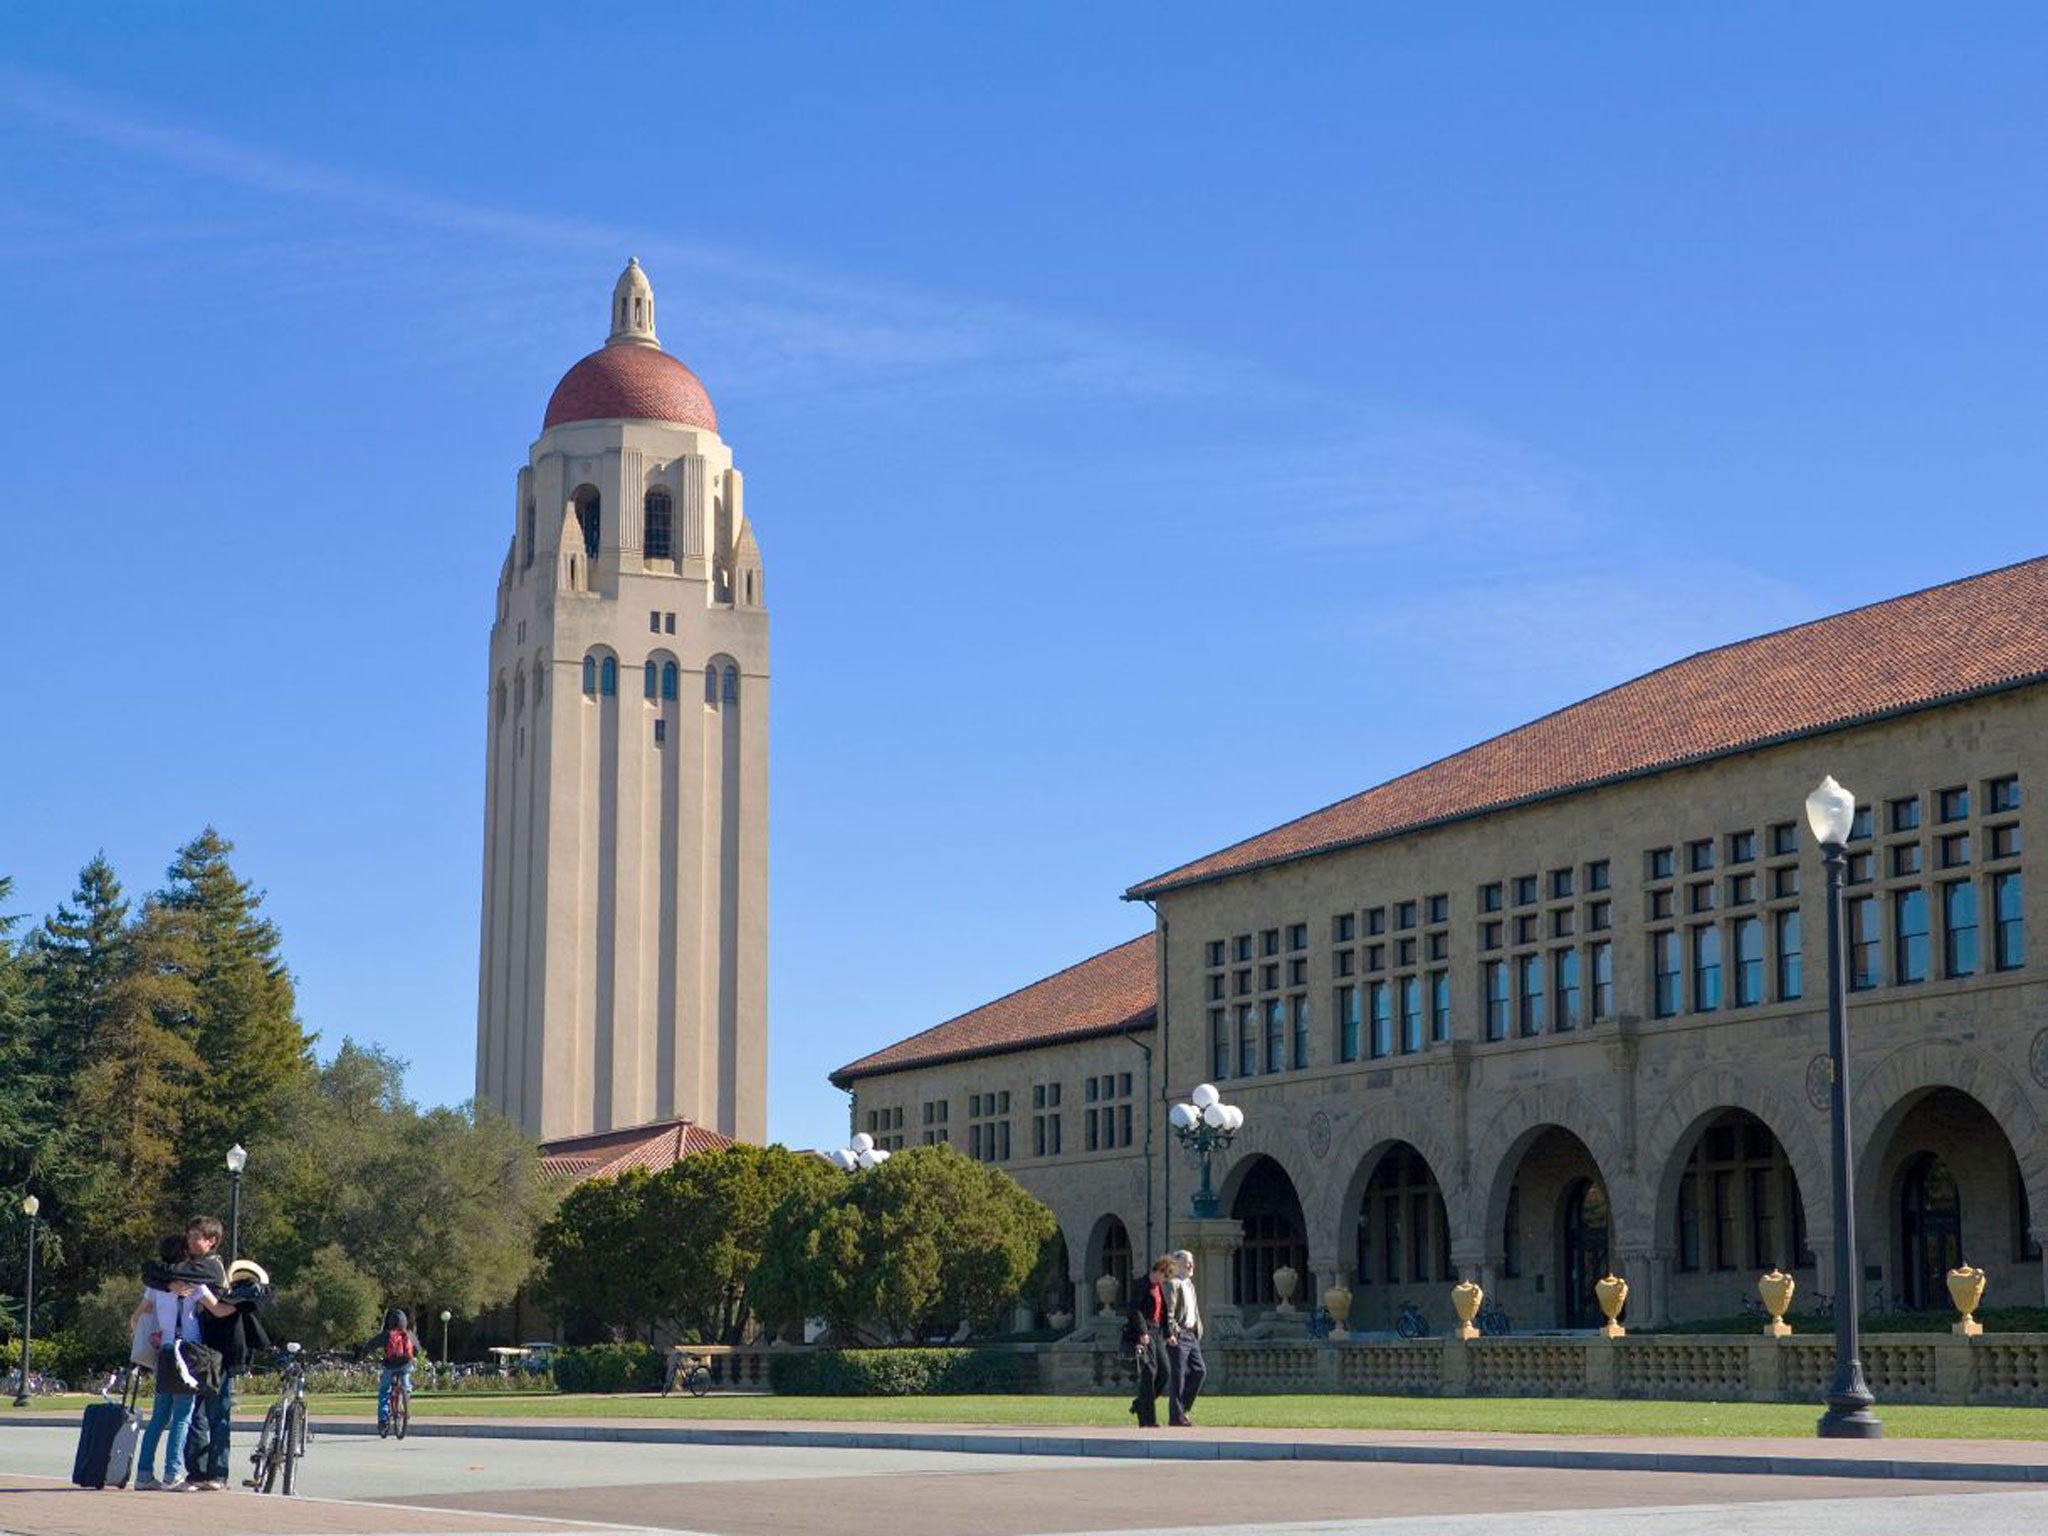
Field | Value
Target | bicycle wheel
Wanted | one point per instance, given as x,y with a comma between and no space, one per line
269,1446
401,1412
700,1381
1408,1326
294,1445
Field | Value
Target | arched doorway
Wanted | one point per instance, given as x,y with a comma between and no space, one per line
1055,1290
1274,1235
1109,1254
1930,1232
1585,1247
1401,1242
1732,1209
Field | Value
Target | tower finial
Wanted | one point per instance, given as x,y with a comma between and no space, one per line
633,308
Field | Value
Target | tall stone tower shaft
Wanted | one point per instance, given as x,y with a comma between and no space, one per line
625,903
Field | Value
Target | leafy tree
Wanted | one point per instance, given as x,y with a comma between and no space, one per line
28,1118
925,1240
593,1264
329,1304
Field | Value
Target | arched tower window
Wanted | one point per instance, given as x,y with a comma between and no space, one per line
732,685
526,533
653,679
668,679
519,694
501,698
608,677
711,685
589,517
590,677
658,532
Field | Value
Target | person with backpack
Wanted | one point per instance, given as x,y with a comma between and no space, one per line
400,1347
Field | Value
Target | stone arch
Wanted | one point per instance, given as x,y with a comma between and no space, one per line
1887,1092
1665,1146
1267,1182
1483,1202
1106,1227
1359,1148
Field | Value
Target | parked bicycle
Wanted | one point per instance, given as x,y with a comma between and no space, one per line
281,1444
687,1371
1492,1320
39,1385
1411,1324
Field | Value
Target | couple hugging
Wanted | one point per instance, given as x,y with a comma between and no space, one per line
196,1328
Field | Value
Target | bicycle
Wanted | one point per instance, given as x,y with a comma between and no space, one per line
399,1418
1411,1324
281,1443
39,1385
1492,1320
687,1371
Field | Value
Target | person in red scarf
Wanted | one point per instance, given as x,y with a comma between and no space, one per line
1148,1331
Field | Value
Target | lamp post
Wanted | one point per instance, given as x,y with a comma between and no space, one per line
29,1206
861,1152
1831,813
1205,1125
238,1159
446,1318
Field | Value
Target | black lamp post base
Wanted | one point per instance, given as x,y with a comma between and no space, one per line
1857,1424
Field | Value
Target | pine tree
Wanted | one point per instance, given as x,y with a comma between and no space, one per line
242,1017
28,1120
75,958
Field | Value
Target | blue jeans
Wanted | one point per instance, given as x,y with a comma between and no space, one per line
206,1451
170,1413
389,1374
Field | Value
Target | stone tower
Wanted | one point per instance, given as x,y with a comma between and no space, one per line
625,904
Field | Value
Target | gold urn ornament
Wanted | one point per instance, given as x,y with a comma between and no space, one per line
1337,1302
1775,1289
1466,1299
1611,1291
1966,1290
1284,1282
1106,1292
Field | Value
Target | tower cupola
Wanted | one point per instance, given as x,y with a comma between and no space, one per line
632,308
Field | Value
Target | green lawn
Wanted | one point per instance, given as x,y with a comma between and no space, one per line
1555,1416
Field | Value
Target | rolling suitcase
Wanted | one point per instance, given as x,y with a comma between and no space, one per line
107,1439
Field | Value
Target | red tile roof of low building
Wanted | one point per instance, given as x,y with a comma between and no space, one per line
606,1154
1937,646
1110,993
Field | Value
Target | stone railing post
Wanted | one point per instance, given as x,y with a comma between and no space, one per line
1602,1365
1955,1364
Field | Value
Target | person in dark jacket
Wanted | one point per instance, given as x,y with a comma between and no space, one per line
240,1338
1150,1328
398,1346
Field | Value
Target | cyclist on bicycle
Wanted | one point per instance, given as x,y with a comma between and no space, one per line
400,1347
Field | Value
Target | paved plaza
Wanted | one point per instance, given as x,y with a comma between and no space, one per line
531,1479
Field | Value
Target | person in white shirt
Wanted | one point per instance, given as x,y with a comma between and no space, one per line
1189,1369
175,1320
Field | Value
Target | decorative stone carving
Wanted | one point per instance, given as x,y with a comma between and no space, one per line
1611,1291
1284,1282
1775,1290
1466,1299
1966,1290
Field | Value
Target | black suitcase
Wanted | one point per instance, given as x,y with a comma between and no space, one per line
96,1464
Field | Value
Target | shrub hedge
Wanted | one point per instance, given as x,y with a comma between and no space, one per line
897,1372
609,1368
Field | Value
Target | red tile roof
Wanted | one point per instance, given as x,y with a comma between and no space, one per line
1114,991
1946,643
606,1154
633,382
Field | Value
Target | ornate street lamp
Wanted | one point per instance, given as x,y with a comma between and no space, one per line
860,1153
29,1206
1205,1125
1831,813
238,1159
446,1318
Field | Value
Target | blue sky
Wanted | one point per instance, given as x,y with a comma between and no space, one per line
1159,421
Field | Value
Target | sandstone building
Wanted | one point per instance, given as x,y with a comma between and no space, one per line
624,947
1555,1005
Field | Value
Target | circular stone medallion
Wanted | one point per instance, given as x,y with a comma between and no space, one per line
1820,1082
2037,1058
1319,1134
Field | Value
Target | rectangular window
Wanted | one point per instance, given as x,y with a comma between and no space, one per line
1375,957
1404,914
1404,953
1242,982
1787,926
2002,795
1269,978
1247,1042
654,621
2005,841
1376,920
1411,1013
1560,884
1599,916
1495,976
1439,1005
1344,962
1741,847
1563,923
1439,946
1602,955
2009,944
1297,973
1785,881
1347,1023
1489,897
668,623
1525,890
1529,1018
1660,904
1955,850
1706,968
1909,936
1276,1036
1219,1046
1665,972
1905,814
1215,953
1905,859
1218,989
1747,935
1269,942
1343,928
1297,936
1660,864
1863,943
1489,935
1859,824
1299,1005
1699,855
1701,897
1564,973
1959,928
1955,804
1440,909
660,732
1526,928
1241,947
1381,1007
1862,869
1597,875
1784,837
1741,890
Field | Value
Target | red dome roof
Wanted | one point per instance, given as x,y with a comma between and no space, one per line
637,383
